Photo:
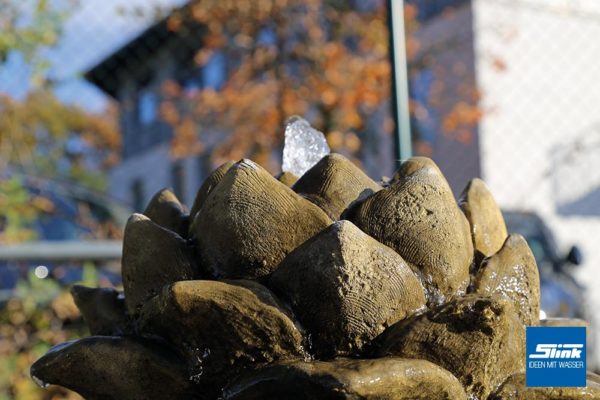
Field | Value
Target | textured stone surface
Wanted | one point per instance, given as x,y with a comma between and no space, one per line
488,229
384,379
344,293
103,309
106,368
513,274
514,389
573,322
480,340
418,217
165,210
152,257
334,183
346,288
222,326
209,184
254,221
564,322
413,165
287,178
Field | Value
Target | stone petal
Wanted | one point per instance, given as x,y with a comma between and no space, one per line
105,367
383,379
513,274
222,326
346,288
103,309
514,389
287,178
152,258
251,221
480,340
418,217
209,184
565,322
413,165
572,322
488,229
334,183
165,210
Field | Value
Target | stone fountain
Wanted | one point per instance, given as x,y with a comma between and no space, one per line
328,285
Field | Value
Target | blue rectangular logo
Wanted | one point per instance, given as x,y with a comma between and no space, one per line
556,357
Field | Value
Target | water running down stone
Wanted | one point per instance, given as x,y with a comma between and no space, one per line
333,288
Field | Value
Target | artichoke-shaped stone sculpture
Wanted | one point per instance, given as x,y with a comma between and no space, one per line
322,286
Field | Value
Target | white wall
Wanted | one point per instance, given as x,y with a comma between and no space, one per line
546,98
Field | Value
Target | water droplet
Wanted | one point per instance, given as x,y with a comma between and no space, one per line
303,147
40,382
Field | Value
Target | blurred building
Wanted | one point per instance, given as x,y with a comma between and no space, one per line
533,68
133,75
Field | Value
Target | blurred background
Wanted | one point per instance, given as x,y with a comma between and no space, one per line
103,103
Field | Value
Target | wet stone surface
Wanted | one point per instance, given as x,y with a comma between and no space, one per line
488,229
385,379
222,327
513,274
514,389
165,210
335,183
208,186
251,221
287,178
478,339
346,288
418,217
335,289
103,309
152,257
108,367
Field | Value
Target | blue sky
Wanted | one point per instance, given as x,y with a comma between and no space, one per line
94,31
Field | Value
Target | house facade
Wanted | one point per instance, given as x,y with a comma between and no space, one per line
134,76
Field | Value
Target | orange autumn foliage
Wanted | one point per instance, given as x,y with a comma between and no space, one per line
326,61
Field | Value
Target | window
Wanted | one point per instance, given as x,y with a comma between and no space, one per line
204,166
267,36
137,195
214,71
212,74
147,106
425,116
178,179
429,9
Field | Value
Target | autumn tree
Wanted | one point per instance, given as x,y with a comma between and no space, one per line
42,136
27,27
39,135
326,60
35,132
